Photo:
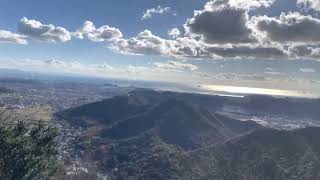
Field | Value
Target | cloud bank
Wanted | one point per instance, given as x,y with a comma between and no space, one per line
222,29
225,29
159,70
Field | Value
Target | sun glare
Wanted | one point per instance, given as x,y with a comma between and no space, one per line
252,90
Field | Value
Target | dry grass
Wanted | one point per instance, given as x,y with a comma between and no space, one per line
28,115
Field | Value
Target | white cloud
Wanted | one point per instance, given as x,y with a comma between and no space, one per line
158,71
176,66
144,43
309,4
149,13
51,65
103,33
41,32
307,70
315,52
247,4
67,67
272,71
9,37
174,32
224,29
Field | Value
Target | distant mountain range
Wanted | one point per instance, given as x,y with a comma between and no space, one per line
165,135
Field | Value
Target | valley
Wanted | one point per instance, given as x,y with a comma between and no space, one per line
113,132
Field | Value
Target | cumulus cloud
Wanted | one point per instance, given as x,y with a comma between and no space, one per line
9,37
220,23
103,33
41,32
144,43
222,29
291,27
149,13
309,4
249,4
176,66
174,32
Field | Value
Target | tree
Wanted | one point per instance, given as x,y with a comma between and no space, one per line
28,152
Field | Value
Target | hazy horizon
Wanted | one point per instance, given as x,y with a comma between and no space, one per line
266,44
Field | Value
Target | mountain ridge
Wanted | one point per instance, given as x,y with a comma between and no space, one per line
157,135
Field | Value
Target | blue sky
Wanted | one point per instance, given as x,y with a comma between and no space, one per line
259,43
124,14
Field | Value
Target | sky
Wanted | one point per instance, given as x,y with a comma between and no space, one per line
272,44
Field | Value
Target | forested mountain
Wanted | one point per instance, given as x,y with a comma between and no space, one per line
265,154
163,135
